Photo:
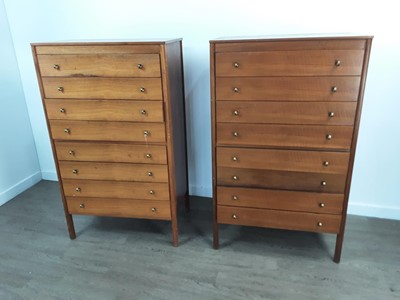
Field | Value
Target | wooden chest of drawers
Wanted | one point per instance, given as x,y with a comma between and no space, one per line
115,113
285,117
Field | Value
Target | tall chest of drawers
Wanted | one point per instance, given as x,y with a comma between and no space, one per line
285,117
115,114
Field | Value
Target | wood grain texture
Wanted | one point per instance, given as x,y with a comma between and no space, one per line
102,88
116,189
107,131
285,180
105,48
303,113
114,171
306,136
126,208
288,88
105,110
100,65
278,219
323,203
284,160
111,152
290,63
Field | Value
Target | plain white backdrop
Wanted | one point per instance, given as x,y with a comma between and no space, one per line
375,187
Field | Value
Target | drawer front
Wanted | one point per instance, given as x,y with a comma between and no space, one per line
108,152
114,171
100,65
323,203
284,160
285,180
288,88
129,208
105,110
115,189
279,219
97,49
107,131
307,136
290,63
303,113
103,88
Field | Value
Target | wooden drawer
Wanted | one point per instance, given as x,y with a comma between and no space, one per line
100,65
287,88
283,200
285,180
284,160
290,63
110,152
305,113
107,131
105,110
102,88
92,48
279,219
114,171
115,189
306,136
129,208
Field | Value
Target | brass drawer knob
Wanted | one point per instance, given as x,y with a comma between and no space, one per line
57,67
236,65
234,197
235,134
150,174
234,216
148,155
151,192
67,130
153,209
143,112
146,133
337,63
334,89
234,158
75,171
323,183
142,89
326,163
71,152
77,189
319,224
62,110
60,89
329,136
331,114
140,66
235,113
322,204
234,177
236,90
81,205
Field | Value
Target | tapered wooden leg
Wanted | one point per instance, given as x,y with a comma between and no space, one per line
338,248
71,227
215,236
187,202
174,224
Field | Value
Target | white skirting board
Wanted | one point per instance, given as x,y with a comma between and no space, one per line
19,187
376,211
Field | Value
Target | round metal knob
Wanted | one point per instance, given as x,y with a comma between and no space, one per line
140,66
236,65
323,183
67,130
142,89
234,158
234,216
234,197
77,189
146,133
337,63
71,152
151,192
322,204
334,89
74,171
60,89
326,163
148,155
236,90
62,110
143,112
319,224
57,67
82,205
331,114
235,112
236,134
234,177
150,174
153,209
329,136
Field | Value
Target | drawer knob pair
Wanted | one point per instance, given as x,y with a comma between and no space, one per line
57,67
75,171
140,66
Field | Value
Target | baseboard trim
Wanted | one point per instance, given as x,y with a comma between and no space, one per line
376,211
19,187
49,175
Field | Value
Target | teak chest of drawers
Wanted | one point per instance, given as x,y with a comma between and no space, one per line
115,114
285,117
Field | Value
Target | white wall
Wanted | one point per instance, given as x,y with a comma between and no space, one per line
19,165
374,190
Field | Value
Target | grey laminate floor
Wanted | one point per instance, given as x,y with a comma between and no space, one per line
133,259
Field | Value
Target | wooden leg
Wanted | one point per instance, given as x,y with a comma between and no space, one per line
187,202
174,224
215,236
338,248
71,227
